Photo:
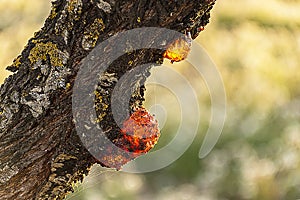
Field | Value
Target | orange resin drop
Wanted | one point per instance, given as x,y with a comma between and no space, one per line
140,132
178,50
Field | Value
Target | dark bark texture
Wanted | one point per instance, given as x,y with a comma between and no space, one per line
40,153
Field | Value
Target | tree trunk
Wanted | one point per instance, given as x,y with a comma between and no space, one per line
41,154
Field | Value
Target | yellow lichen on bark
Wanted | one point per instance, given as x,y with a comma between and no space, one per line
42,50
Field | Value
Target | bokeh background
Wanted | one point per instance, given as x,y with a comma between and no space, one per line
256,47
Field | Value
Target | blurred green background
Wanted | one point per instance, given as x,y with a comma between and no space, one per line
256,46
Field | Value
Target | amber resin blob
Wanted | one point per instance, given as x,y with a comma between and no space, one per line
140,132
179,49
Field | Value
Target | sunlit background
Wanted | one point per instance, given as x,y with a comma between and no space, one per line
256,47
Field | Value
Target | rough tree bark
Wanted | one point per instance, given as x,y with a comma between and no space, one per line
40,153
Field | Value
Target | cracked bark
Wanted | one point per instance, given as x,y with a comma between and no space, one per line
40,153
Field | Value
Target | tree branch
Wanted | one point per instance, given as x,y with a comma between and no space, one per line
41,154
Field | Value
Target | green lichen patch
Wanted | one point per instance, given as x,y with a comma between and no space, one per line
139,20
60,180
92,34
102,99
41,51
15,65
46,58
53,13
17,62
74,7
68,17
100,106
